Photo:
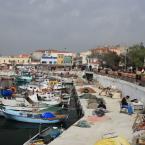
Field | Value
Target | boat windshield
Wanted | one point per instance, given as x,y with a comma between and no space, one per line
25,73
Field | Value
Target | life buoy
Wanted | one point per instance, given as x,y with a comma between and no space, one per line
13,89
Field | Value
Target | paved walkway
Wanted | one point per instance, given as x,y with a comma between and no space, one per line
118,122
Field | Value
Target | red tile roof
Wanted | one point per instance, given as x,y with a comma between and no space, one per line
23,55
53,51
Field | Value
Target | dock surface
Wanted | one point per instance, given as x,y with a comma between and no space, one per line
113,122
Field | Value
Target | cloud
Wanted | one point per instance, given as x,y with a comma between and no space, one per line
78,25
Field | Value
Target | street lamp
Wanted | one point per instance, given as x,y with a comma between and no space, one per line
126,59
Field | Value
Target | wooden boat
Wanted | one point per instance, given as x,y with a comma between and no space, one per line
44,137
20,103
65,99
47,98
14,102
34,87
30,117
59,86
24,77
22,108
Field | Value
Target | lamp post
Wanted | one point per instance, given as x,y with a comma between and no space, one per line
126,59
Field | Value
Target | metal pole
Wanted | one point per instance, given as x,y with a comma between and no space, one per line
125,61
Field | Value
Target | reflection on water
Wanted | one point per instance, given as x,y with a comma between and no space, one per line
10,124
16,133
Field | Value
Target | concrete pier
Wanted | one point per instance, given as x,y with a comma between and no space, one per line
119,123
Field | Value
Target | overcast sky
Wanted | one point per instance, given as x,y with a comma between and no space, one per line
27,25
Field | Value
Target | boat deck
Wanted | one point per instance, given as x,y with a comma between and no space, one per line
114,121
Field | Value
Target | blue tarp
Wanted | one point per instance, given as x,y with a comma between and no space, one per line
55,133
6,92
47,115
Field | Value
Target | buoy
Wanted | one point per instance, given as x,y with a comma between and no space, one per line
13,89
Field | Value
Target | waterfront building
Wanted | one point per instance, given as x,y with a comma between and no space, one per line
68,58
77,60
36,55
49,58
94,61
84,55
60,58
20,59
57,57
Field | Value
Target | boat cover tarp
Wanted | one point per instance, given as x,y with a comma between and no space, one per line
113,141
6,92
47,115
55,133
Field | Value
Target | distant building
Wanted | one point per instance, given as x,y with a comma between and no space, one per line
106,49
84,55
68,58
36,55
49,58
94,61
60,58
20,59
57,57
77,60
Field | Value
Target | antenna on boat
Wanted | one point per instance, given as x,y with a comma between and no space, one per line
62,106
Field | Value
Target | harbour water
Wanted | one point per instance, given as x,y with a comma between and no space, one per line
16,133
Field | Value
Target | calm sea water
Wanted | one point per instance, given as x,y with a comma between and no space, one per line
16,133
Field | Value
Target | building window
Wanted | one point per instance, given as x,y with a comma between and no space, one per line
4,61
23,61
18,61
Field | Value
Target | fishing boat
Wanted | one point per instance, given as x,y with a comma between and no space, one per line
44,137
59,86
28,109
20,104
33,117
24,77
39,77
65,98
47,98
35,87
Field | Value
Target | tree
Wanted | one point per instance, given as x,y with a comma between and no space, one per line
136,55
111,59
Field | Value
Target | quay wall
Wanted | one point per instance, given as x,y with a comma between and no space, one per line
127,88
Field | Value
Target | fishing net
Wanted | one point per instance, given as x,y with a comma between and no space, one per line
83,124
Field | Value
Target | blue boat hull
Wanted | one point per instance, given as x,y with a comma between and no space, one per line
16,117
29,120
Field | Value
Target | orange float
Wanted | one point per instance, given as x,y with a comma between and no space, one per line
13,89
